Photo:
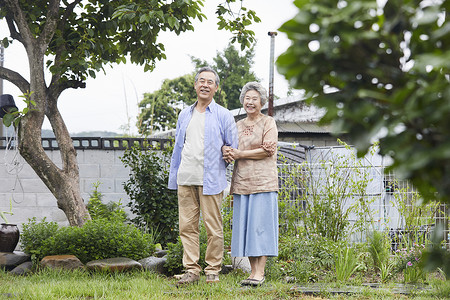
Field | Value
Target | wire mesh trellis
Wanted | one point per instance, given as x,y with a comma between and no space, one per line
391,205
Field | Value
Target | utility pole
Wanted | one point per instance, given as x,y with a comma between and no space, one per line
272,35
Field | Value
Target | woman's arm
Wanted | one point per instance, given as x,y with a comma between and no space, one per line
258,153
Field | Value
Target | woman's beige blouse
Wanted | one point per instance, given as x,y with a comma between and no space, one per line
252,176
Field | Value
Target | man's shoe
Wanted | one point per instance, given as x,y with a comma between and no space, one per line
188,278
212,278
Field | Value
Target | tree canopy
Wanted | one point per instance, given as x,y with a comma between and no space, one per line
159,110
381,70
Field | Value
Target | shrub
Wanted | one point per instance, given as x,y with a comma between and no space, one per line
99,210
34,235
97,239
154,205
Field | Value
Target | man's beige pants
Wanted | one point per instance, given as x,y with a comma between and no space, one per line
190,202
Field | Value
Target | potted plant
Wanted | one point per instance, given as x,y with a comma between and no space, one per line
9,233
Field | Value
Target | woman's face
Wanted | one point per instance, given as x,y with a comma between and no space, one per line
252,102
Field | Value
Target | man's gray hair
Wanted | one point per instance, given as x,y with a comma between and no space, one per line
253,85
208,69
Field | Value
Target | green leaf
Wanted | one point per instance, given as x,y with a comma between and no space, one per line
8,119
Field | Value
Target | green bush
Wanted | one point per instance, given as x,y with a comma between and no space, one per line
154,205
97,239
99,210
34,235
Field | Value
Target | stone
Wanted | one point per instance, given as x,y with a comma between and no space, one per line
23,268
117,264
226,269
66,262
154,264
10,260
241,263
160,253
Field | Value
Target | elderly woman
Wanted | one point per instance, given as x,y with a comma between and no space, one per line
254,185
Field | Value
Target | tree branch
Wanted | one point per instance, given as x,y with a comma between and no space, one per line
21,21
51,23
15,78
56,88
12,29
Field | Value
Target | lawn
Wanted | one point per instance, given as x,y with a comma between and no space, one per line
48,284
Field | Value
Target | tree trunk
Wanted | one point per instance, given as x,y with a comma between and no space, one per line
63,182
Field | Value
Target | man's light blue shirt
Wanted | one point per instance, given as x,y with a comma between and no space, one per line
220,130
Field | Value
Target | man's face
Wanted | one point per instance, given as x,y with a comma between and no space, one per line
205,86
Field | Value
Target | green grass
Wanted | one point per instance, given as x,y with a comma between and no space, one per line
48,285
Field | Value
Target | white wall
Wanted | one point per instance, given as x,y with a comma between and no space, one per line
31,198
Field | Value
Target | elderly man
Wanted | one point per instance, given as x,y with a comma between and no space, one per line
198,171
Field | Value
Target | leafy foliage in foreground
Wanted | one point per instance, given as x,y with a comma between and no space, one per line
388,64
97,239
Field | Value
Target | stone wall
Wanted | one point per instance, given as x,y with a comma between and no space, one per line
31,198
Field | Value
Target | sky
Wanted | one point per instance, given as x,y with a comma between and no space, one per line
110,101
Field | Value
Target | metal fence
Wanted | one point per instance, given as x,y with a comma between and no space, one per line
393,205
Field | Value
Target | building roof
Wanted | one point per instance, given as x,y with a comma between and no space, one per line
301,127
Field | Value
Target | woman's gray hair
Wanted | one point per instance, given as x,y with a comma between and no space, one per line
208,69
253,85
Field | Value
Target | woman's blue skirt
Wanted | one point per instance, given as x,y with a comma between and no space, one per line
255,225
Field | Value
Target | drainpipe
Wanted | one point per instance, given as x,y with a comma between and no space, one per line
272,35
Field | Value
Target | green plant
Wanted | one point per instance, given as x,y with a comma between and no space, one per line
409,262
412,273
154,205
97,239
346,263
34,236
379,248
301,257
98,210
227,218
14,115
328,189
292,195
415,216
4,213
386,269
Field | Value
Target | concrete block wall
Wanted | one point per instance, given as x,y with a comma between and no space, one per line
31,198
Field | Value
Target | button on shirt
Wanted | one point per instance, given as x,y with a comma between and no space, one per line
220,130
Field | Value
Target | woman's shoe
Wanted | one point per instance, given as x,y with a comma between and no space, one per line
255,282
245,282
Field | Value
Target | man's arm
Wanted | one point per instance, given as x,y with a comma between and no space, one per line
231,133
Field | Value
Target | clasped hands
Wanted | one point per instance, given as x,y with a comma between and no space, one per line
230,154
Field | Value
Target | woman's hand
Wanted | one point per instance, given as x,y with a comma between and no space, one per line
229,154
